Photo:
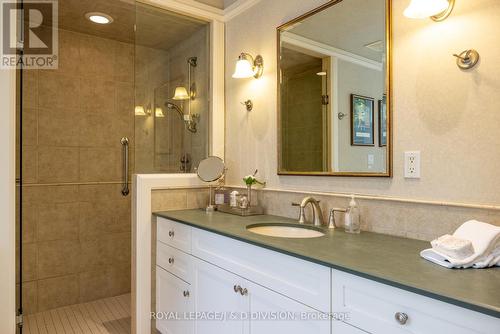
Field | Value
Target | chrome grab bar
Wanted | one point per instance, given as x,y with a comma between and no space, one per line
124,141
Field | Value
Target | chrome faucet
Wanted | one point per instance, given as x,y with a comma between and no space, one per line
317,215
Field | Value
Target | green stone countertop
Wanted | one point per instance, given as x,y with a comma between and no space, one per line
387,259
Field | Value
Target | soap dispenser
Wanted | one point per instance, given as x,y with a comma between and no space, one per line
352,220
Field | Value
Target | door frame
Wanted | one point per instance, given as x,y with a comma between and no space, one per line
7,200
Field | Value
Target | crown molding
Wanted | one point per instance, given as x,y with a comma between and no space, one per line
189,7
238,7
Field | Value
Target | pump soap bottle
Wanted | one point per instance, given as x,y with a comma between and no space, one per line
352,219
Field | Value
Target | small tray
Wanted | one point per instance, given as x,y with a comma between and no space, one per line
250,211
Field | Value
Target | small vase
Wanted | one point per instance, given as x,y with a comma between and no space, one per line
249,195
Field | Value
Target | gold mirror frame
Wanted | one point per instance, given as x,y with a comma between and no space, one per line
388,82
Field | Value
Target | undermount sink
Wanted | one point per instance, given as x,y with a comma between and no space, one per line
281,230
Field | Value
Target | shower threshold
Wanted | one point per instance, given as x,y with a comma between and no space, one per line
103,316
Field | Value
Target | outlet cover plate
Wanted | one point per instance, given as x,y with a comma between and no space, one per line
412,164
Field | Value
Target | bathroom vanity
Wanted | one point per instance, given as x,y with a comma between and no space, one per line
210,267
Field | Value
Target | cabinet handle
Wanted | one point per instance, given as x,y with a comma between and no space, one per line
237,288
186,293
171,260
244,291
171,234
402,318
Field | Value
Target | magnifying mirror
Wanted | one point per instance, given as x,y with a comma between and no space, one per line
209,170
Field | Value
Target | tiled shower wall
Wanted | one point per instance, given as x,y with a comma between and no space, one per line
76,223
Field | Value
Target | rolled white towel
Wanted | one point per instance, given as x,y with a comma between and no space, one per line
454,247
485,239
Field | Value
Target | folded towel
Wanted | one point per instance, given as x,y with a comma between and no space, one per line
485,239
456,248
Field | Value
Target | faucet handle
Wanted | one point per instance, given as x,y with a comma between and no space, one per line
298,204
302,215
331,218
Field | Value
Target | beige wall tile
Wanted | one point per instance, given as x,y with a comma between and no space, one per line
97,96
58,164
58,91
30,297
69,53
96,57
58,221
30,89
58,127
57,292
124,62
29,262
100,164
103,130
30,164
164,200
197,198
35,195
29,223
96,218
30,126
57,258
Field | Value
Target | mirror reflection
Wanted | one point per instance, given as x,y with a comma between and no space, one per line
333,101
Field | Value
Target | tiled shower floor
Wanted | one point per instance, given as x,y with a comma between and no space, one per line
104,316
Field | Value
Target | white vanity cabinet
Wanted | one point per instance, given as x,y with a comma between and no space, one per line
253,290
234,287
173,302
382,309
247,307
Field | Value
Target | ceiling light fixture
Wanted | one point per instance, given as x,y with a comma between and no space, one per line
99,18
437,10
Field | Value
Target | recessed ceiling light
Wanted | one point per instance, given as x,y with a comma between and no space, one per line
99,18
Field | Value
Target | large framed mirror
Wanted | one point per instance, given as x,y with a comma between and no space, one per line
334,91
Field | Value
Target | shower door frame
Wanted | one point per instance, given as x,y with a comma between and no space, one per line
141,200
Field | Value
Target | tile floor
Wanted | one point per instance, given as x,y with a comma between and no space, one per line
104,316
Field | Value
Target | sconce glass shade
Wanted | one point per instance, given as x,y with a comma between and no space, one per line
421,9
159,112
247,67
139,111
243,69
181,93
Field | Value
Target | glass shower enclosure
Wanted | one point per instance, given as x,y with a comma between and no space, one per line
140,82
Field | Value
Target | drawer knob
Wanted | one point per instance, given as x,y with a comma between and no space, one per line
401,317
244,291
237,288
186,293
171,234
171,260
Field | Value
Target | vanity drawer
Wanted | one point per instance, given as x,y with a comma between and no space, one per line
174,234
303,281
372,307
175,261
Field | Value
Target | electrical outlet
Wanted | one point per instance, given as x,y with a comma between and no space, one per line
371,161
412,165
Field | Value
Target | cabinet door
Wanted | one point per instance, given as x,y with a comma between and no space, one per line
272,313
173,304
219,308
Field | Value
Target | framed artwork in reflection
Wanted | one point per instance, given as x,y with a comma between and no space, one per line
362,114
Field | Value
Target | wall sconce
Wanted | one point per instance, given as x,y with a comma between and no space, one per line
181,93
437,10
140,111
247,66
159,112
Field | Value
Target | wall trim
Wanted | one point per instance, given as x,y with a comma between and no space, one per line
238,7
143,185
492,207
307,44
189,7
